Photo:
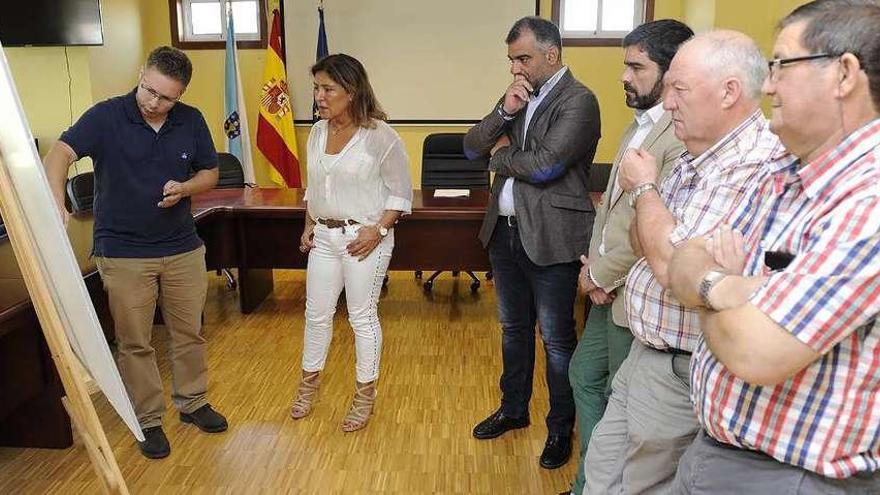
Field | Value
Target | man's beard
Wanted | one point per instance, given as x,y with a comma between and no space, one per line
643,102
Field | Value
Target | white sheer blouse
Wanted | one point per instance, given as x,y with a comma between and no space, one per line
370,175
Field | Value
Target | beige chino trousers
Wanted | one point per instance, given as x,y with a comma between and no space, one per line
179,285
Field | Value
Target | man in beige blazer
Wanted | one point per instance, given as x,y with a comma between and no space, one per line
649,49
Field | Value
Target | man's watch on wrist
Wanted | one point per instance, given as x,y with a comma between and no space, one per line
638,191
504,115
383,231
709,281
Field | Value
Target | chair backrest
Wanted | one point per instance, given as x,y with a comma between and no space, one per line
444,164
81,192
231,173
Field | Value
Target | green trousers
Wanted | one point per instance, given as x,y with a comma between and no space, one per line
603,346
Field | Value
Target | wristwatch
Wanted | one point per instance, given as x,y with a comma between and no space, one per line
710,280
638,191
382,230
504,115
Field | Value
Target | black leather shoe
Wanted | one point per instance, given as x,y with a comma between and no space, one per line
557,450
155,444
497,424
207,419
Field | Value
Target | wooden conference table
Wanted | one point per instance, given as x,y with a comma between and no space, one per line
256,230
253,230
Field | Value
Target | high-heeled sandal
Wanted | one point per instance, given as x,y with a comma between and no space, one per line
305,395
361,407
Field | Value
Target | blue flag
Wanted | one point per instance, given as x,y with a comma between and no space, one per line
235,125
320,52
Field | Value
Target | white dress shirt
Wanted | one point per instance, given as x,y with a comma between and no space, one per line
505,199
645,120
370,175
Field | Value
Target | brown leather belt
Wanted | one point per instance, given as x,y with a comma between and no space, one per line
336,224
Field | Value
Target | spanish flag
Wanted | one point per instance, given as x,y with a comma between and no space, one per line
276,138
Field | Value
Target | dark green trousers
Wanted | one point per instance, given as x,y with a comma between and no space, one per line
603,346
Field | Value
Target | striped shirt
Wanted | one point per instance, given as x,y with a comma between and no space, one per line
699,192
826,418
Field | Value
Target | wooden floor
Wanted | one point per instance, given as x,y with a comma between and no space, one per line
440,368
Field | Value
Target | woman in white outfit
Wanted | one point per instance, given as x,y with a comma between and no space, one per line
359,185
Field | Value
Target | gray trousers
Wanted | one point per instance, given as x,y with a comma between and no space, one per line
648,424
710,467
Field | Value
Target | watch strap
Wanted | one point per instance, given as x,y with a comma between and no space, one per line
639,190
709,281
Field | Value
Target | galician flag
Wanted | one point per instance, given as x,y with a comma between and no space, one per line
238,141
276,138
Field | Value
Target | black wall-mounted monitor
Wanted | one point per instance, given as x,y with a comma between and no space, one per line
50,22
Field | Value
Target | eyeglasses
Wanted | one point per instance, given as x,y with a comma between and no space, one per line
778,63
155,94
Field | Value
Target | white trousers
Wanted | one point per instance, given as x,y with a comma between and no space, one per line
330,270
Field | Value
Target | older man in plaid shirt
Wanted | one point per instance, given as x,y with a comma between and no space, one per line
786,380
713,89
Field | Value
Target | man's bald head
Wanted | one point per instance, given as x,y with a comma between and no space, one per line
724,53
713,85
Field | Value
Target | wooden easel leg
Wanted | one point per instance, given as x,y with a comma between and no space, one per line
84,417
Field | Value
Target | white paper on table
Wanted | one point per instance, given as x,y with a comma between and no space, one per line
452,193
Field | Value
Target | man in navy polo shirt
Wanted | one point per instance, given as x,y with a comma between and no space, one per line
144,146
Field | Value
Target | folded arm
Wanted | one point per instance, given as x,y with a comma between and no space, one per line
481,138
747,341
569,139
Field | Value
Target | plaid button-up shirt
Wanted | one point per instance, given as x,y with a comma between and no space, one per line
699,192
826,418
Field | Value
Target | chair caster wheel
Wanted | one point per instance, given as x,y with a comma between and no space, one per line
418,274
427,286
488,275
475,286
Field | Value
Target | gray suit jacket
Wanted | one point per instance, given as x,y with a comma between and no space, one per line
553,210
614,214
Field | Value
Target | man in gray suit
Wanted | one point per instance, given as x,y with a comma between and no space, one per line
648,51
541,136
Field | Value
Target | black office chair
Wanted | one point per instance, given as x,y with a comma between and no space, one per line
231,172
81,192
444,166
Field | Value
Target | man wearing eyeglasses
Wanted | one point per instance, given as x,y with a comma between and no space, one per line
143,146
712,90
786,378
